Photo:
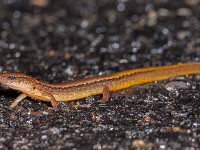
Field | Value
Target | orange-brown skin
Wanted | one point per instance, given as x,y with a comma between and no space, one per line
74,90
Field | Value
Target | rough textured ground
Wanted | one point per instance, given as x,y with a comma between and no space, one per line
64,40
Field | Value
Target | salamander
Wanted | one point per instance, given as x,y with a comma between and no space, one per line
78,89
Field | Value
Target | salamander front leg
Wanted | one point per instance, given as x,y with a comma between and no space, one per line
17,100
50,98
54,103
106,94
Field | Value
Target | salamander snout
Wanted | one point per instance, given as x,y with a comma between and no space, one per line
8,78
16,80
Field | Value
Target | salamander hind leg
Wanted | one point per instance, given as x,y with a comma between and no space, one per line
17,100
106,94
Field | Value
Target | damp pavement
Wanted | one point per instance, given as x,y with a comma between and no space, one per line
56,41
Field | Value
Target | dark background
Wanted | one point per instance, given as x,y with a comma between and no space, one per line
62,40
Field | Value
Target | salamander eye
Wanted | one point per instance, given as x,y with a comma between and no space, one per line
11,77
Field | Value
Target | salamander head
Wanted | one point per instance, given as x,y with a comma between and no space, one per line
17,81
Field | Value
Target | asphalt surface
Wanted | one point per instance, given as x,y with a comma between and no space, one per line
56,41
